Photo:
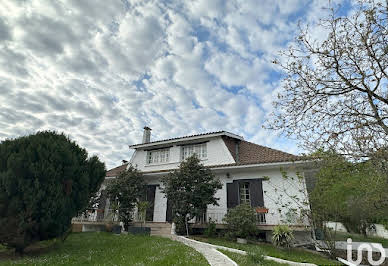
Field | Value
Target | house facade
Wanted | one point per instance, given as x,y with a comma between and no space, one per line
249,173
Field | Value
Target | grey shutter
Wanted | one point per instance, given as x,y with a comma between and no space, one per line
232,194
256,193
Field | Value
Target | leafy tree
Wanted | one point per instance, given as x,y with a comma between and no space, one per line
335,90
190,189
348,192
45,180
125,191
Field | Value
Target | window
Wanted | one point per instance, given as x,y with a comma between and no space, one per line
244,193
198,149
158,156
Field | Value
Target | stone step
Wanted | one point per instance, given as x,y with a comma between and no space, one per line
160,231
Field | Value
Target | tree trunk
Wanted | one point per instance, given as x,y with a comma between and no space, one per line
187,226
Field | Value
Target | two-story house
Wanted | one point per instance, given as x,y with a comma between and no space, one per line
249,173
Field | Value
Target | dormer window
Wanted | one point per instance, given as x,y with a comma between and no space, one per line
158,156
199,149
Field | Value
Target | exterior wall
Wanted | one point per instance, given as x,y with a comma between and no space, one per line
273,217
160,206
339,227
217,153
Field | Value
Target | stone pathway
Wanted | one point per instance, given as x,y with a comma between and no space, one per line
213,256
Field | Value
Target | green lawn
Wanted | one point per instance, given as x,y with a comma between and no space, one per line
107,249
361,238
244,260
293,254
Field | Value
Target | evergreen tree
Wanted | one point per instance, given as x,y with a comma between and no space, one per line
45,180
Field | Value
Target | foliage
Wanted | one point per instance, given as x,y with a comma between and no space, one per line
45,180
282,236
241,221
341,193
142,207
190,188
107,249
211,229
334,94
125,191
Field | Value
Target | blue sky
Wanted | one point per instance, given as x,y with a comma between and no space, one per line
100,72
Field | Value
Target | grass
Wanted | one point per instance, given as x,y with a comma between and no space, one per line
108,249
361,238
293,254
244,260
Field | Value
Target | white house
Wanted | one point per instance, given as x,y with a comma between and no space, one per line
248,172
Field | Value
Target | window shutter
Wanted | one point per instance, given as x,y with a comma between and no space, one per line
232,194
256,193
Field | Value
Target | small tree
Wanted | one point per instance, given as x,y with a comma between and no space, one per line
241,221
190,188
126,190
45,180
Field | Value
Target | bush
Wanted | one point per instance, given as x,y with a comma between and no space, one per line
211,229
241,221
282,236
45,180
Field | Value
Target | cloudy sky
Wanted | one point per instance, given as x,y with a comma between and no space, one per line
101,70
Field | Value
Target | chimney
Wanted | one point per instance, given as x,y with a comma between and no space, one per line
146,135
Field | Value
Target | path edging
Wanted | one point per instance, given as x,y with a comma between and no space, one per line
245,253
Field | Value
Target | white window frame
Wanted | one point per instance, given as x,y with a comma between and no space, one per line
244,193
199,149
158,156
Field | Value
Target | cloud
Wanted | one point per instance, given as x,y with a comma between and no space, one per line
101,72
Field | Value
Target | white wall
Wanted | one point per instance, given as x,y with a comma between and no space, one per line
379,231
160,206
216,213
217,153
271,197
336,226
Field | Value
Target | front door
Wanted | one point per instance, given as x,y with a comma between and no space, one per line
150,197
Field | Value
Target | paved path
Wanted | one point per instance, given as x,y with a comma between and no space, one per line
213,256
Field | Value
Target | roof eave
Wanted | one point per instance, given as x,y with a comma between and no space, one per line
183,139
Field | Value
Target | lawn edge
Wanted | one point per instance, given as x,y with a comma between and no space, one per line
242,252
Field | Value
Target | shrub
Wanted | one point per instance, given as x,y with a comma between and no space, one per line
45,180
282,236
211,229
241,221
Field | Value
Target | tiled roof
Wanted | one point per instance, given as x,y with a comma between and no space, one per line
251,153
185,137
117,170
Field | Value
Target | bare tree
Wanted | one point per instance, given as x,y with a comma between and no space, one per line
335,94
